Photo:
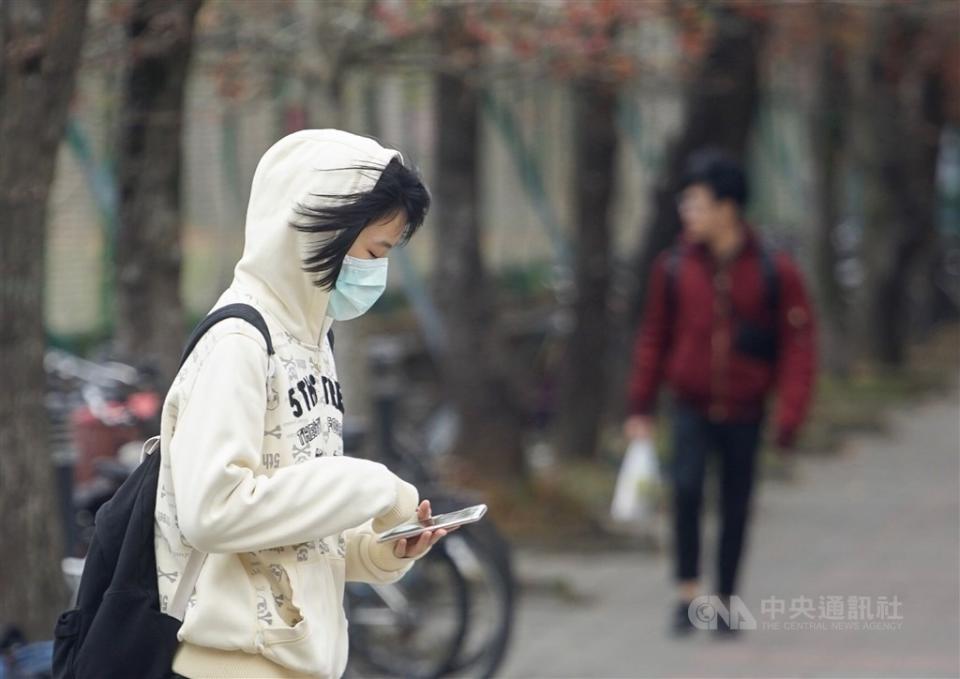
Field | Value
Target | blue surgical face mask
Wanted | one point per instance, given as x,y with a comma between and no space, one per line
359,285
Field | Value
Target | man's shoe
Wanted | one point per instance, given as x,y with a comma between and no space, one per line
681,625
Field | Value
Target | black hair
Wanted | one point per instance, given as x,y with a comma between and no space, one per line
719,172
345,216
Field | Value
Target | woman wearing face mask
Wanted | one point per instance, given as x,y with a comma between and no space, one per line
253,473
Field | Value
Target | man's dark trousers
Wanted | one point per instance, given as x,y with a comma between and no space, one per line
736,443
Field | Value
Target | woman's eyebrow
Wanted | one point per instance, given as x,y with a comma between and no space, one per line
385,243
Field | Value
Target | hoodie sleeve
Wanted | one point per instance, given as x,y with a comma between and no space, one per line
222,504
372,561
651,345
796,369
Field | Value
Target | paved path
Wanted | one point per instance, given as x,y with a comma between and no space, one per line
880,519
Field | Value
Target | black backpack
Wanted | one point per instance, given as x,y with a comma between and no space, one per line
116,630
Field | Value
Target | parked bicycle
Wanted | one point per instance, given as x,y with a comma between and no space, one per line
453,614
100,413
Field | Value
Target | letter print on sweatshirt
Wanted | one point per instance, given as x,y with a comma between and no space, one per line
311,408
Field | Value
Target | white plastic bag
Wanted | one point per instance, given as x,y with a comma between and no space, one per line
634,495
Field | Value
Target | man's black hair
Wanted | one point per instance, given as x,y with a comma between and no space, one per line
398,189
719,172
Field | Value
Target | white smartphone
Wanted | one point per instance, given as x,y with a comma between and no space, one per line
450,520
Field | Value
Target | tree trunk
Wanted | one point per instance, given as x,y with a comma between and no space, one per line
148,252
828,140
721,104
899,177
40,50
873,122
490,433
584,379
927,121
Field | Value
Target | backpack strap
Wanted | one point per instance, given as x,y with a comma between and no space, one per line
672,272
768,270
191,572
674,259
242,311
771,280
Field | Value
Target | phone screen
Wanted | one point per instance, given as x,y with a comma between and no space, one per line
449,520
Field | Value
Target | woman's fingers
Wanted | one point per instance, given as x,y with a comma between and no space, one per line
423,511
404,548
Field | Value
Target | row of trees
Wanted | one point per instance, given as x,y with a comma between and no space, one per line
880,85
880,91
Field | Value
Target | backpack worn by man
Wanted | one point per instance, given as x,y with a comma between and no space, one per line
116,629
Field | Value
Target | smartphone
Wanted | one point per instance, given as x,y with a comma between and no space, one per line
450,520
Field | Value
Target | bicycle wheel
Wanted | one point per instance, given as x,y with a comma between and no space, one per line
483,558
412,628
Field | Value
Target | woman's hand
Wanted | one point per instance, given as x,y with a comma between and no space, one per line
417,547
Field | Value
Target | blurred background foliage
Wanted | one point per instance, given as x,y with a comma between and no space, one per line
552,135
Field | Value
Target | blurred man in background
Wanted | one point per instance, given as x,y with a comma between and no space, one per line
727,321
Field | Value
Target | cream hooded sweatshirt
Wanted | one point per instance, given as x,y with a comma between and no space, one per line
253,472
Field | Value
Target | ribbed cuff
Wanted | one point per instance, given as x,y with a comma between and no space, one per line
382,556
403,509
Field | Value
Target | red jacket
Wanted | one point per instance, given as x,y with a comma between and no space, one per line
688,333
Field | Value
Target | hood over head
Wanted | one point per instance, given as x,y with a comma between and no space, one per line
295,171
